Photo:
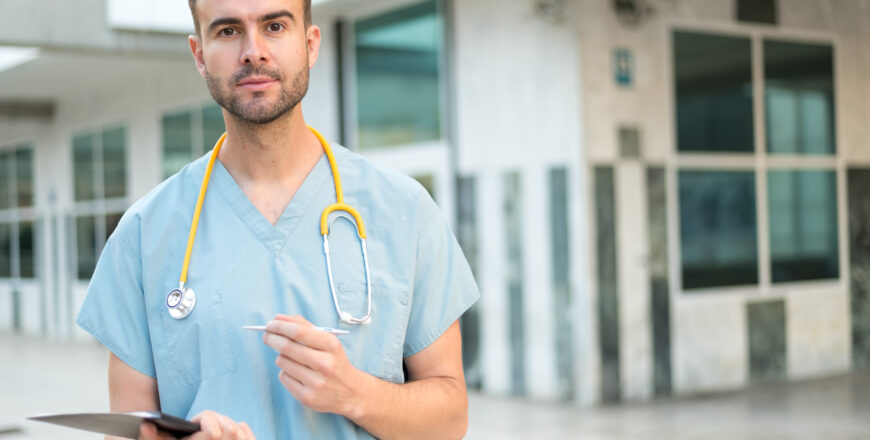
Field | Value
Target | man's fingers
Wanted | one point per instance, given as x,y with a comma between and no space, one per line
246,430
209,425
302,394
304,333
298,371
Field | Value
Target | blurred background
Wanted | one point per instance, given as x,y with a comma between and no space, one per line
660,199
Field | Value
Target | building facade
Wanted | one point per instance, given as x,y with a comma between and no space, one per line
656,196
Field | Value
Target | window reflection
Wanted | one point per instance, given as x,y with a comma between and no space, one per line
799,98
86,245
803,225
397,77
188,134
5,181
176,142
114,167
83,167
5,250
718,228
714,92
26,249
24,177
212,126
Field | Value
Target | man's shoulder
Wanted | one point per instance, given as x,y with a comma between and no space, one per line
164,200
364,177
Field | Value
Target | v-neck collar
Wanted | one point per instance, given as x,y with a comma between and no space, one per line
273,237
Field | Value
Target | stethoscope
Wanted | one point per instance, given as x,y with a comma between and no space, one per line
182,300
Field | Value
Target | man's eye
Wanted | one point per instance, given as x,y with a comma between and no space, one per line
227,32
276,27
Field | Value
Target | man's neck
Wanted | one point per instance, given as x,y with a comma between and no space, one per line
269,153
270,161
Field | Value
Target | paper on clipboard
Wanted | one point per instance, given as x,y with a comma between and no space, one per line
121,424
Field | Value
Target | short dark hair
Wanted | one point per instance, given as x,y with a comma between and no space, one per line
306,12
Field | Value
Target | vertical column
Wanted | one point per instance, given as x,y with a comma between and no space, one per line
467,235
859,262
495,353
537,304
512,211
634,300
606,274
560,270
660,304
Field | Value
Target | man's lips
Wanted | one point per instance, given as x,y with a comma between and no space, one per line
256,83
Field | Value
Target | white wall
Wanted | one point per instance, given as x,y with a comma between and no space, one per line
708,330
517,109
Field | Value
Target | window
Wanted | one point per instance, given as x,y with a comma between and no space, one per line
717,228
398,81
99,189
799,98
17,250
189,134
720,207
803,225
714,93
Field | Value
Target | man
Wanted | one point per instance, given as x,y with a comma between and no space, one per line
258,258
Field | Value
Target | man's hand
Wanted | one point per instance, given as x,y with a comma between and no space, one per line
314,366
213,426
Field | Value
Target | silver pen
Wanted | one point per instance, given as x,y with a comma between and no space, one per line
335,331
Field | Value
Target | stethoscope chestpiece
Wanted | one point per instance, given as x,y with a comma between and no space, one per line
180,302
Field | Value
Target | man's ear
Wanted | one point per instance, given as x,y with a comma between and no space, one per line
196,51
313,41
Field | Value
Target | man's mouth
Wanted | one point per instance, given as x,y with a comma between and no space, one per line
256,83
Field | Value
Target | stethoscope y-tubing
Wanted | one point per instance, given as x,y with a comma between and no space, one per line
339,205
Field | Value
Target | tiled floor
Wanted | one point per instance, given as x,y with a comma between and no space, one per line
44,376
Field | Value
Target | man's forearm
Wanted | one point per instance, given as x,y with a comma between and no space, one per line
434,407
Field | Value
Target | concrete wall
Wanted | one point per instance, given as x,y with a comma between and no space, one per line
708,330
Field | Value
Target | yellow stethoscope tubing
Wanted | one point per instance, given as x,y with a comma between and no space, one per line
339,204
196,212
324,228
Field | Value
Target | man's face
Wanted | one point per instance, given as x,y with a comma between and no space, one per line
255,55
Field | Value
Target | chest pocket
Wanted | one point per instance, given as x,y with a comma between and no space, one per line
199,345
376,347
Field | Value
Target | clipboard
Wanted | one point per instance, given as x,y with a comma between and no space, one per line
121,424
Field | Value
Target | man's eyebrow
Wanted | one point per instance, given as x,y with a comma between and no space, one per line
278,14
221,22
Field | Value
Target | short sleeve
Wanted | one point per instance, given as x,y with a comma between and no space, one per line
114,308
444,287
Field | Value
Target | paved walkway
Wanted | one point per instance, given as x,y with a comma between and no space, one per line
44,376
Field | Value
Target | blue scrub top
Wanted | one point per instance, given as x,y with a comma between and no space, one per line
245,271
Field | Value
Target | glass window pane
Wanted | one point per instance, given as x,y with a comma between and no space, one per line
803,225
177,142
397,66
212,126
114,163
718,228
86,246
83,167
6,182
24,177
714,92
26,246
799,98
112,223
5,250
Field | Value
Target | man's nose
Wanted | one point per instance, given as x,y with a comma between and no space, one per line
255,51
